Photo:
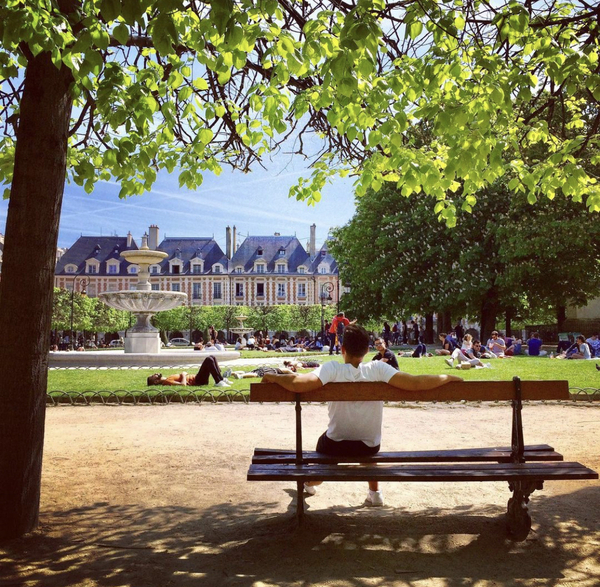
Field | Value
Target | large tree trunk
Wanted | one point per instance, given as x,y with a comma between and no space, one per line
26,288
561,316
429,328
489,312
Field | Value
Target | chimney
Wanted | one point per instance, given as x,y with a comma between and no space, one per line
234,246
129,240
312,247
228,242
153,237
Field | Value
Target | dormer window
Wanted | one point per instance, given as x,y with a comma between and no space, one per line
281,267
92,266
259,267
71,269
239,269
323,269
155,269
132,270
281,252
175,266
323,253
217,269
112,267
302,270
259,251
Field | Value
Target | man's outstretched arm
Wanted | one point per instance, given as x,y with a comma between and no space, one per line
420,382
296,382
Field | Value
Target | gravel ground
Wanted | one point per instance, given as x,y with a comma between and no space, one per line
157,496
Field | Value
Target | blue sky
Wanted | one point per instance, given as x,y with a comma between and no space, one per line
256,203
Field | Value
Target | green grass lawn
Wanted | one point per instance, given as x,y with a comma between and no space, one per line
579,374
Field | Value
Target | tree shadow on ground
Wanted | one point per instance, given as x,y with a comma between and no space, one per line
247,544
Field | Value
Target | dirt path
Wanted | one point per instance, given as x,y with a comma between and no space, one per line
156,496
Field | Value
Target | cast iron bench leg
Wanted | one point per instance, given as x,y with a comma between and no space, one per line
518,520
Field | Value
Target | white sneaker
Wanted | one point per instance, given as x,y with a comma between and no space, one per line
227,381
310,489
375,498
449,362
223,384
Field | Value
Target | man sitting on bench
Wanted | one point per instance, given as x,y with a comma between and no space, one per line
355,426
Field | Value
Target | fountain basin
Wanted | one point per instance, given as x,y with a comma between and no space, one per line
143,301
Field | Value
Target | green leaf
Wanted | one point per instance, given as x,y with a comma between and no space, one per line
110,9
121,33
414,29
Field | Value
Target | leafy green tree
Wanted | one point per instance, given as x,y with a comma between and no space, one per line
118,89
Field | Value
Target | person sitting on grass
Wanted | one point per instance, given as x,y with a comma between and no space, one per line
583,350
469,357
355,426
448,344
496,346
209,367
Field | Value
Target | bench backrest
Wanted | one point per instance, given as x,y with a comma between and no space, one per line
453,391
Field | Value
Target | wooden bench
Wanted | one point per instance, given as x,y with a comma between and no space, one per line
525,468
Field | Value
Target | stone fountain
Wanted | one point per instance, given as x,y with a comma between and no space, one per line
241,329
143,302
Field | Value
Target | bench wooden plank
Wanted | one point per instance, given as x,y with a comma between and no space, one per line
424,456
528,447
423,472
452,391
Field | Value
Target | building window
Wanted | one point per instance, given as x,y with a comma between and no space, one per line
281,290
239,269
260,268
70,268
323,253
155,286
175,287
175,269
259,251
323,269
302,290
281,252
196,291
133,269
260,290
217,269
113,269
301,270
217,291
280,268
196,268
92,269
155,269
239,290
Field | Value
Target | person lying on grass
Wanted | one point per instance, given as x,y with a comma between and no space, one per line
209,367
354,426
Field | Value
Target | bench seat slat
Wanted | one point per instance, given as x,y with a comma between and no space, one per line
423,472
541,452
415,457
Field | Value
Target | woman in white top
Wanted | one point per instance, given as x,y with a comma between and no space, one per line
584,350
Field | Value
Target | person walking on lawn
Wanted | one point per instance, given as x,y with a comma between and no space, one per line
355,427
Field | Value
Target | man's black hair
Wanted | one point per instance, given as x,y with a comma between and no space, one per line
356,340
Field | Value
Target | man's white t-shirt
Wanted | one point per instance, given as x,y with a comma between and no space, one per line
355,420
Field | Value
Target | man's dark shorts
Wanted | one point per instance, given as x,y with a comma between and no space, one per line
349,448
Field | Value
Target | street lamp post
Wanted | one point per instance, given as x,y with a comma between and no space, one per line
83,284
325,296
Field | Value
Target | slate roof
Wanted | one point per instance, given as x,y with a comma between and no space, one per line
101,248
248,253
323,255
186,249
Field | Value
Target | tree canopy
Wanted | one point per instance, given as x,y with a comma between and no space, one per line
192,85
505,256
